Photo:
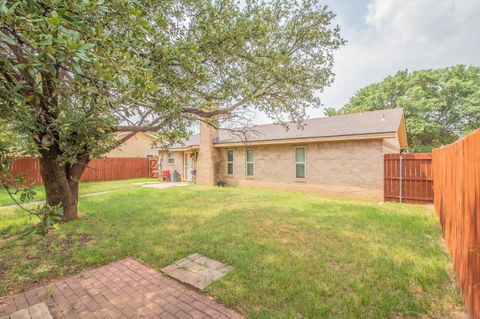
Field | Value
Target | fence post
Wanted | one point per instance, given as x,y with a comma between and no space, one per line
400,179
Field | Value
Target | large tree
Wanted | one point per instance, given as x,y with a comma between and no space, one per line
75,72
440,105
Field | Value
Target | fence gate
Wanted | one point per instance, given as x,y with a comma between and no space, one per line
408,178
153,168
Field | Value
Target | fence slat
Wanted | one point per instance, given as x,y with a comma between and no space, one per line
99,169
456,172
417,180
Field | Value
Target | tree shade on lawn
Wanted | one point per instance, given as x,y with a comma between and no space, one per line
84,188
294,255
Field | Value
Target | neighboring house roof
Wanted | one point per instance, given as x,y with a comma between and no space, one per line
122,134
388,123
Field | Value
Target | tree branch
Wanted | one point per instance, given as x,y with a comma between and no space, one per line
76,170
154,126
127,137
224,111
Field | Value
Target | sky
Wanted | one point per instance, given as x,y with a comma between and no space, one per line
385,36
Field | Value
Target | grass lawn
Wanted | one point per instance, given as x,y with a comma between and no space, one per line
294,255
85,188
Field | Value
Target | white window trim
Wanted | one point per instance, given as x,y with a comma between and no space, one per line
168,158
295,163
233,160
252,162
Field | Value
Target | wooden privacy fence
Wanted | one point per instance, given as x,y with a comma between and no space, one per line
456,170
103,169
408,178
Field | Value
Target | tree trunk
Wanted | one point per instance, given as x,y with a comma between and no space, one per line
61,187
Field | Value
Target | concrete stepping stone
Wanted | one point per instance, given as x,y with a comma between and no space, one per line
197,270
37,311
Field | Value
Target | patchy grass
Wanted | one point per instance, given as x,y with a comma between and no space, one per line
85,188
294,255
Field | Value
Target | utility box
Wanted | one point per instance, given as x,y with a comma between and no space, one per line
175,177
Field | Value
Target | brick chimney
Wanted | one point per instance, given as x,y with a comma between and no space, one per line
207,155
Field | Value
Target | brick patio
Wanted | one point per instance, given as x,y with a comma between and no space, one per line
125,289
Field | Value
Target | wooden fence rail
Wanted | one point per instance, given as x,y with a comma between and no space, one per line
408,178
103,169
456,170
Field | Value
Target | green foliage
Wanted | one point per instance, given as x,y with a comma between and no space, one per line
21,193
266,55
50,85
47,217
16,143
440,105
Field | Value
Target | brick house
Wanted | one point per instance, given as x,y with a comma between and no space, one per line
339,154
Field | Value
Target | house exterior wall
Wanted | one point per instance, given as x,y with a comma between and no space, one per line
137,146
353,168
178,165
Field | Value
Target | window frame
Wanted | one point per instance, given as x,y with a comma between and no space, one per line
296,163
171,158
231,162
247,162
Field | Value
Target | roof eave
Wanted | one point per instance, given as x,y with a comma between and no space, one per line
312,139
152,135
178,149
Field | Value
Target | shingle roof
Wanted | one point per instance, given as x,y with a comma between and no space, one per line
373,122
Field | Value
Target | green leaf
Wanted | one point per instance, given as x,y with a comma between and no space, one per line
7,39
3,8
83,56
76,67
46,41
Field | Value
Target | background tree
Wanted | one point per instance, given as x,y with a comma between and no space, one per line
73,73
440,105
17,145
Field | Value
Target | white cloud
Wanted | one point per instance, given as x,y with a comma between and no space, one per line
420,21
403,34
397,35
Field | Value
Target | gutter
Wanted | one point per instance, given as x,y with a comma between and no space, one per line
300,140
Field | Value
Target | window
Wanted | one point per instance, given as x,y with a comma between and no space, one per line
230,162
300,162
249,160
171,158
